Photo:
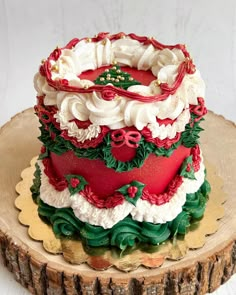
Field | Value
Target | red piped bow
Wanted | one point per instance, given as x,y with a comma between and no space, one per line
121,137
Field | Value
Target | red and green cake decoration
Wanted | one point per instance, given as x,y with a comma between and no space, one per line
120,163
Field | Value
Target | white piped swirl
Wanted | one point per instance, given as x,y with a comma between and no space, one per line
121,111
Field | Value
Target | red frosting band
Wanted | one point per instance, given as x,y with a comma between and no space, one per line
104,181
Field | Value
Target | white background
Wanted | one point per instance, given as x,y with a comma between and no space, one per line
30,30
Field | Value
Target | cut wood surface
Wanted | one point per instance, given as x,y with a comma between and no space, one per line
199,272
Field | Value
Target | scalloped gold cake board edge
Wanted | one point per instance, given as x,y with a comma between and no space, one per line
74,253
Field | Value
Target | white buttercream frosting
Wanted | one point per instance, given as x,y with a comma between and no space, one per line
107,218
81,134
121,111
104,112
42,88
49,195
144,211
167,57
170,131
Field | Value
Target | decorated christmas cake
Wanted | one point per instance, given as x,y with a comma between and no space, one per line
120,162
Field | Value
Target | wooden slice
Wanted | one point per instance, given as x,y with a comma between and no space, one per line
200,271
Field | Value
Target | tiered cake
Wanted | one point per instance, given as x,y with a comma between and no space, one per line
120,163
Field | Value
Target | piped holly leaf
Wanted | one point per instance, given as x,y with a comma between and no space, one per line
187,169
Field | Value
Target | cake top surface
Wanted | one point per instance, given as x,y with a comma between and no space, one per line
119,80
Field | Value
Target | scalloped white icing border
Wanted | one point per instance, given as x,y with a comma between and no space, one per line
121,111
107,218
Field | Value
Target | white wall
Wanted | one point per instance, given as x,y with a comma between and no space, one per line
30,30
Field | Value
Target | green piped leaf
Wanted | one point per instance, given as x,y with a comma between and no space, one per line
187,169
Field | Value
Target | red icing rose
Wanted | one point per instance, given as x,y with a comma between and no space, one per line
60,185
108,94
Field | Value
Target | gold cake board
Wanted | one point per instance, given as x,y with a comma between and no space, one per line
200,271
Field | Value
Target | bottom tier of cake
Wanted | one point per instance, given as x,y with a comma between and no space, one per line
129,217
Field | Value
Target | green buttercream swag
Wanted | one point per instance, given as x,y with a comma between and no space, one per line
59,145
36,184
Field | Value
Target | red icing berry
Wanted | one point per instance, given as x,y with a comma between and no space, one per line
64,82
188,168
43,149
74,182
132,190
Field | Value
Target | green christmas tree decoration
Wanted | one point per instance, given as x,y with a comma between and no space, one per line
117,78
